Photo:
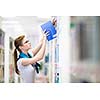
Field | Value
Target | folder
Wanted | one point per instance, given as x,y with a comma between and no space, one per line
48,26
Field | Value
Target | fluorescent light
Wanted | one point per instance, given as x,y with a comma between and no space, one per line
44,17
10,22
7,16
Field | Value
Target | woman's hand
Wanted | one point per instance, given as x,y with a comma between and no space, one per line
44,34
54,22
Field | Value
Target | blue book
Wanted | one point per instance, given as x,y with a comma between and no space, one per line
48,26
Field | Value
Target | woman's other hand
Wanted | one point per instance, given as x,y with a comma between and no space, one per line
54,22
44,34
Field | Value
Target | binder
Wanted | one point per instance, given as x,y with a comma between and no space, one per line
48,26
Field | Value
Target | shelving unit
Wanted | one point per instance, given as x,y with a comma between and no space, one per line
1,56
85,49
59,59
11,61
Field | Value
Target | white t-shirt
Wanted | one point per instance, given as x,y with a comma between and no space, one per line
27,73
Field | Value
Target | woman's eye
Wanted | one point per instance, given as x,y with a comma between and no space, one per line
27,41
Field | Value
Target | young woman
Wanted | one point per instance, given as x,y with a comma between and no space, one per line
23,63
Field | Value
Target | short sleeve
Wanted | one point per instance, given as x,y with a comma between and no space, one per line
19,62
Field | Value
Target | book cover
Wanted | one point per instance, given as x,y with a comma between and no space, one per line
48,26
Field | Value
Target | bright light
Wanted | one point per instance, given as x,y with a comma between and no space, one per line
4,16
44,17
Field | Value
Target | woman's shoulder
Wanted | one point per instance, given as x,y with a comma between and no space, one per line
19,61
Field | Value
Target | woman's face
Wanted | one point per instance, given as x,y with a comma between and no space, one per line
26,44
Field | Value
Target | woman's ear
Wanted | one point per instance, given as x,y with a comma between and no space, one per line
20,47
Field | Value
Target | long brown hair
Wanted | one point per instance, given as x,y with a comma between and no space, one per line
17,43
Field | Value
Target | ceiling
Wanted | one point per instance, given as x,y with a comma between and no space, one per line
23,24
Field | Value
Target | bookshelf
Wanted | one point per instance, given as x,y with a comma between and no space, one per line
1,56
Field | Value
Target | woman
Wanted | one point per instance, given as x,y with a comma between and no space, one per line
23,63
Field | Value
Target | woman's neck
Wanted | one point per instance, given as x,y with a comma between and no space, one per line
25,52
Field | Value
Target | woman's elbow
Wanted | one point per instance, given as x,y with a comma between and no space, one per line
41,57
